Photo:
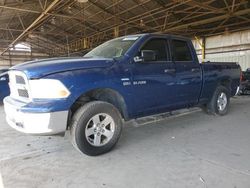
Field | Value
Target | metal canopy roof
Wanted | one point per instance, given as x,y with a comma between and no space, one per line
58,27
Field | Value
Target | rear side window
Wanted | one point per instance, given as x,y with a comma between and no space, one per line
181,51
160,48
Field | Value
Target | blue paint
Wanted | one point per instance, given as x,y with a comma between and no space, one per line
4,86
191,84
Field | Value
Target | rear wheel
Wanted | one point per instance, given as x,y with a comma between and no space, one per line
219,103
96,128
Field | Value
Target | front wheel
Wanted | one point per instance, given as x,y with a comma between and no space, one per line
219,103
96,128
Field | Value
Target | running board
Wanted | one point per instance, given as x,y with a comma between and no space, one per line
159,117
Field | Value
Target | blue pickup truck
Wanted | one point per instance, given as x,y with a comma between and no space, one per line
4,87
122,79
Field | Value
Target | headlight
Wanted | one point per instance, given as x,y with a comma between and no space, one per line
48,89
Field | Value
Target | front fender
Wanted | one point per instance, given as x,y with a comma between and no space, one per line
80,82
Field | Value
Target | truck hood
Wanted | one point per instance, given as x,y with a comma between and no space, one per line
40,68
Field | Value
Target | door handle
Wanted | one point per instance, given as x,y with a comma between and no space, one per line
195,69
169,71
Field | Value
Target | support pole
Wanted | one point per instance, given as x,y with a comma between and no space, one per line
203,49
116,31
202,44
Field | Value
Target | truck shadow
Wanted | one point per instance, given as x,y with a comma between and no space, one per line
163,129
172,127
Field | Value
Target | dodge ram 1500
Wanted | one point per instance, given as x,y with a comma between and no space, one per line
122,79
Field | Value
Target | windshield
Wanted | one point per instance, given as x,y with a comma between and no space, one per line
113,48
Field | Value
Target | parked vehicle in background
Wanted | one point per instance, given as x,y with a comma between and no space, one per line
245,83
122,79
4,87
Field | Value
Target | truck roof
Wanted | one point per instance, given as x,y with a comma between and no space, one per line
158,35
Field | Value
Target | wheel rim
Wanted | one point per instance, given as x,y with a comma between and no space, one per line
100,129
222,101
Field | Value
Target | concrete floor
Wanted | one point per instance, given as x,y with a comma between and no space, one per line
193,150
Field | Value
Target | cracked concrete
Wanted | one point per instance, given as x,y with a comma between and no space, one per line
191,150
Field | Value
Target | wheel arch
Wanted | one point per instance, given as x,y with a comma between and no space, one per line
226,82
101,94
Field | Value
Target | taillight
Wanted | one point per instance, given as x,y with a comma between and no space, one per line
241,76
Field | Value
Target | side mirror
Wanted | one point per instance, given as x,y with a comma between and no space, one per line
148,55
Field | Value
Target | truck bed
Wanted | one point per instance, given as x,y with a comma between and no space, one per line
217,72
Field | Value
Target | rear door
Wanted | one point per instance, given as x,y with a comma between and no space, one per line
188,72
154,81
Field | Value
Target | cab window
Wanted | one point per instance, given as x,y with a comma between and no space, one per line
181,51
159,47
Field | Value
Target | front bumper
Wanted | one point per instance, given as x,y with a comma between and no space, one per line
47,123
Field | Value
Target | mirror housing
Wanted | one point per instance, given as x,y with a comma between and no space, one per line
148,55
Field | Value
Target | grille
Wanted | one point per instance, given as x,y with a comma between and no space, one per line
23,93
18,85
20,80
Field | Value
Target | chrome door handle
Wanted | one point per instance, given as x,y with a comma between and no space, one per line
195,69
169,71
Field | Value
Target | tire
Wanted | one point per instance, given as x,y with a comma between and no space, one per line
95,128
219,103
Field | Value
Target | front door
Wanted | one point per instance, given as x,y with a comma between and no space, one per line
154,80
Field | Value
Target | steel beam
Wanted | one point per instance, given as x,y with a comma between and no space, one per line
34,23
38,12
207,21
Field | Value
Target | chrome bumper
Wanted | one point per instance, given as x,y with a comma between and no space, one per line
34,123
